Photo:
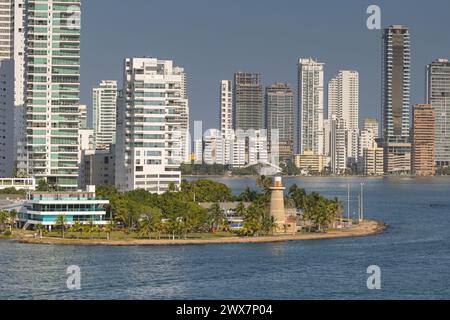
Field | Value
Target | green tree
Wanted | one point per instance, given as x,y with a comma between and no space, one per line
217,216
40,229
4,218
61,222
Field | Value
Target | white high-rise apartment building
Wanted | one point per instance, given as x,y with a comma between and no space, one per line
12,110
104,104
343,98
52,90
343,103
366,140
310,104
257,147
213,152
338,151
226,107
152,122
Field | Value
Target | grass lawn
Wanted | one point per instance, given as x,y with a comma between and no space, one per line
121,235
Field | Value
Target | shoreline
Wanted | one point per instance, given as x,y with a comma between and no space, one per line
366,228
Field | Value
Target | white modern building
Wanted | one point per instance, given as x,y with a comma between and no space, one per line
86,140
338,152
343,98
12,110
52,90
367,139
213,147
152,125
343,103
44,208
104,105
310,104
226,107
257,147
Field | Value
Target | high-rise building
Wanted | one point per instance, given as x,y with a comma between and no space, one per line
213,152
279,100
248,110
423,145
82,110
438,95
395,99
372,124
371,162
226,107
366,140
152,110
12,110
326,137
338,152
52,90
343,98
104,105
310,105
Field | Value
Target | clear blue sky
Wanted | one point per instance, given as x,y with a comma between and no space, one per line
212,39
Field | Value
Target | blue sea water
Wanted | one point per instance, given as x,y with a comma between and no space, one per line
413,255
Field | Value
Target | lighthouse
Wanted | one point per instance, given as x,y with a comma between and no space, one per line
277,210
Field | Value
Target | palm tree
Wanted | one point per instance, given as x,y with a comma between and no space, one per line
217,215
240,209
146,227
78,227
90,227
61,221
40,228
4,217
13,217
108,228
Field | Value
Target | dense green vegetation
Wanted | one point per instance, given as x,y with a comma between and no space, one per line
177,214
7,221
12,191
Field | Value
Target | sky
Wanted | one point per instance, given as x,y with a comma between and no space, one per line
213,39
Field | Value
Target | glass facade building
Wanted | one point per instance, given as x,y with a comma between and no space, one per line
52,75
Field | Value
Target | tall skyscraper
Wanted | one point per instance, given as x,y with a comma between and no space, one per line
343,98
310,104
279,100
248,110
343,103
12,109
338,152
226,107
104,104
52,90
151,125
423,135
395,99
438,95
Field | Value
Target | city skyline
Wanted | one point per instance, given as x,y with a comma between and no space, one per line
203,88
